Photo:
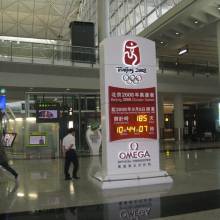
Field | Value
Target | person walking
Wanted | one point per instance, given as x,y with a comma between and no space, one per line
4,163
69,149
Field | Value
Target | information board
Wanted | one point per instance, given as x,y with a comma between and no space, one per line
132,113
130,145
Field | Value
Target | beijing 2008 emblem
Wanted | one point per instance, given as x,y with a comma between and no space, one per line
131,58
131,53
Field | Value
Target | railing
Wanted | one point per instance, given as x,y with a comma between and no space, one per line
47,53
183,65
69,56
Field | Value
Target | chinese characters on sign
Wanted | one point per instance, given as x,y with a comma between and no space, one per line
132,113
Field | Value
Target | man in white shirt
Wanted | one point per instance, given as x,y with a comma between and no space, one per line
69,149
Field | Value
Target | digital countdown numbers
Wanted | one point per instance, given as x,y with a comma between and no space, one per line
132,113
133,128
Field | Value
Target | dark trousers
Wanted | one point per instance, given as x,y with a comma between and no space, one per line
6,166
71,157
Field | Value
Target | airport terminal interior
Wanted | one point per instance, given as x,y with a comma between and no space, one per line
51,80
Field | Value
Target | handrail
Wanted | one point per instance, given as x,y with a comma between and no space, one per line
47,53
69,55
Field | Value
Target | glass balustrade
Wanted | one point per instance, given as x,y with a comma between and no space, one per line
46,53
69,56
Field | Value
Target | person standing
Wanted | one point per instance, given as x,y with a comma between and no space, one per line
4,163
69,149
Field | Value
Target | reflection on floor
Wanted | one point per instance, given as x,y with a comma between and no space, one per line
42,187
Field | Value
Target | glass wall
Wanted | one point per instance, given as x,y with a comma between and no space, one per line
131,17
127,17
87,13
27,128
76,110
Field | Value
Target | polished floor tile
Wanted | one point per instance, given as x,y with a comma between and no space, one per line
175,207
42,185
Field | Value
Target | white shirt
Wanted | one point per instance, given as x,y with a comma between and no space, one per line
69,140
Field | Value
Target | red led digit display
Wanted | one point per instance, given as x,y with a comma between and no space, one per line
132,113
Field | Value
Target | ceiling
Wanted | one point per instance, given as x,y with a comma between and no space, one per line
44,19
193,20
191,24
49,19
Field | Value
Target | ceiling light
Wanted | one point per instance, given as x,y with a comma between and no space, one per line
67,89
219,7
3,91
161,42
183,50
29,40
196,22
177,33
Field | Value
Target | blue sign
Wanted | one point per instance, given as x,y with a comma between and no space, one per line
2,102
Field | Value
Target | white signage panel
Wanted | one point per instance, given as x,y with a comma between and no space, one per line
130,143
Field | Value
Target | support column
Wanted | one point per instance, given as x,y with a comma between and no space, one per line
27,105
178,117
161,115
103,19
218,46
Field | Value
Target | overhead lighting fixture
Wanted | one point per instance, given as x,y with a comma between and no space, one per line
177,33
196,22
219,7
29,40
3,91
183,50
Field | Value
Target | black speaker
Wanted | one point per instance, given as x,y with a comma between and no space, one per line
83,41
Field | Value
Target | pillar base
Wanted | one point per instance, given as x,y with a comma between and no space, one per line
131,180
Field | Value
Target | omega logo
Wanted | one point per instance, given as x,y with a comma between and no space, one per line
133,152
133,146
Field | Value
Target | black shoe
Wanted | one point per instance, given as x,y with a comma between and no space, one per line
68,178
76,177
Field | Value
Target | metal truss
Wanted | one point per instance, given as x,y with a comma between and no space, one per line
46,19
131,17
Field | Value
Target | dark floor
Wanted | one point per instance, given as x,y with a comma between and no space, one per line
42,192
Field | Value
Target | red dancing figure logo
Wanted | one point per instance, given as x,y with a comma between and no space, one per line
131,53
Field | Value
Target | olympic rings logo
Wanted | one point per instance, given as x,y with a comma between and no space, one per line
132,79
